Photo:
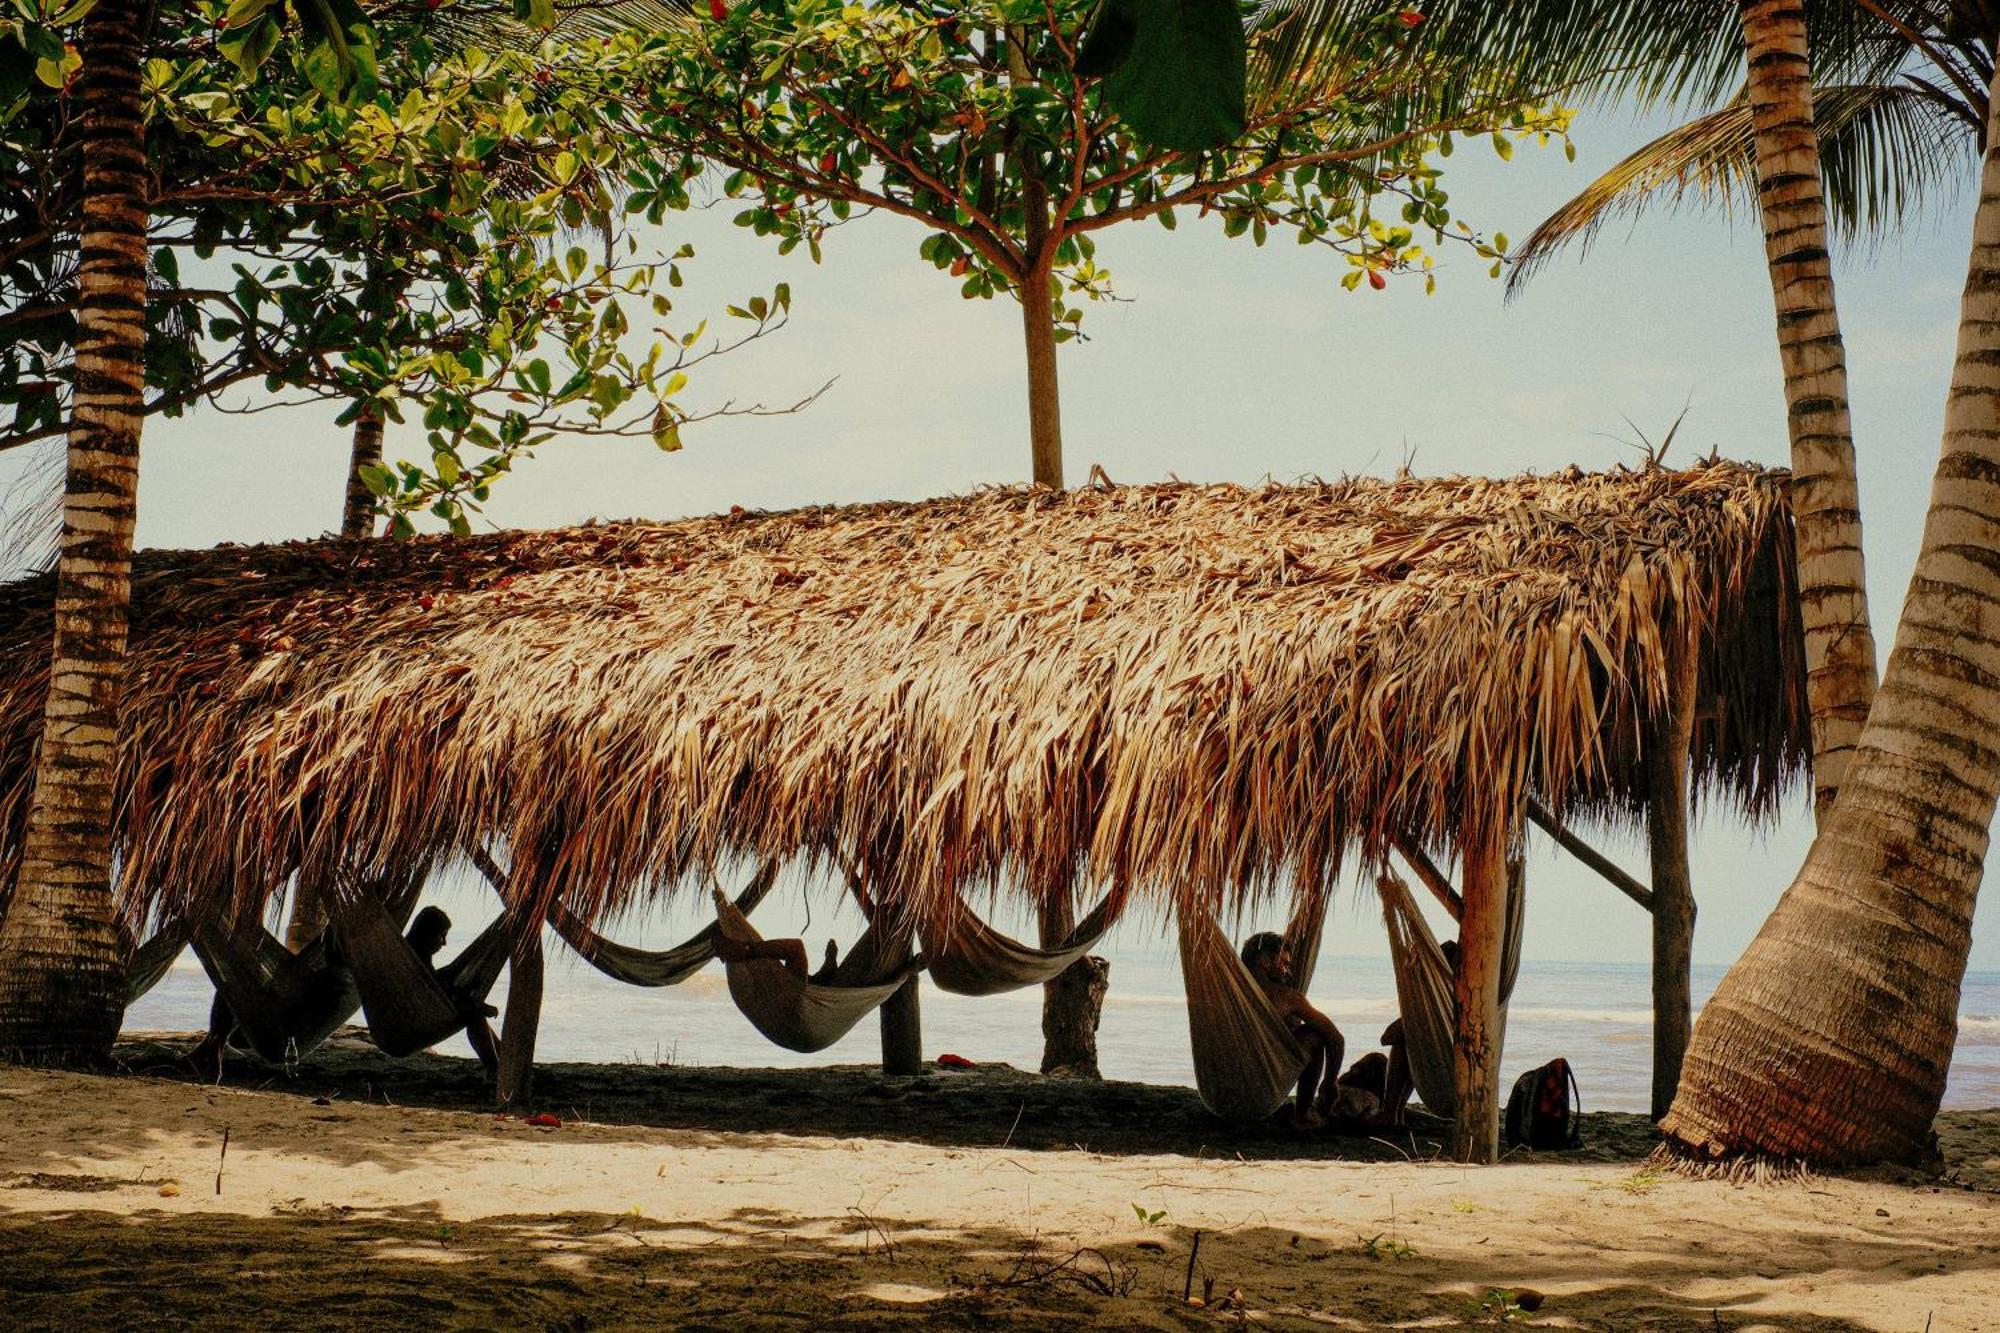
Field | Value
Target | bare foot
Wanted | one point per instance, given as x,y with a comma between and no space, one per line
1306,1118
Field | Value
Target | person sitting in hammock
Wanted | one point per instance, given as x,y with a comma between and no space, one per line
1387,1076
427,935
1269,959
789,953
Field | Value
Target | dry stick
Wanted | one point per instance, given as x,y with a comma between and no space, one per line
221,1158
1187,1283
1016,1125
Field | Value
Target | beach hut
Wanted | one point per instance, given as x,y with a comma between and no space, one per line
1200,698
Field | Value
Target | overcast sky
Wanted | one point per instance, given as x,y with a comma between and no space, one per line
1233,363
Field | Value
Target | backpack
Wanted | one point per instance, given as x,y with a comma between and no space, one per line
1545,1110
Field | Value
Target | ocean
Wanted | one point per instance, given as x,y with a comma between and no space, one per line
1595,1014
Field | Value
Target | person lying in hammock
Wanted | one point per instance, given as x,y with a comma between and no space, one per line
1269,959
1387,1075
427,935
790,953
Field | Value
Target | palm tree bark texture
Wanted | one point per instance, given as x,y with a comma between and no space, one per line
1840,646
1830,1038
61,965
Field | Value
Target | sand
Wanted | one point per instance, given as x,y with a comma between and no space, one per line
364,1193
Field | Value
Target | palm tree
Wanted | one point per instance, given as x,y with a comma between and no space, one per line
61,966
1830,1038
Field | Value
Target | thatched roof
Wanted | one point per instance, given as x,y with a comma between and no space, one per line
1205,689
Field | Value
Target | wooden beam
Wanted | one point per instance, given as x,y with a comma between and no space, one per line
1545,819
1673,892
1433,878
1482,930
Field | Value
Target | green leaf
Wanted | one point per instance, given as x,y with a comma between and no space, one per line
1173,69
378,479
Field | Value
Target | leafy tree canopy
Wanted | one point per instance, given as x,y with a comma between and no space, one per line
973,118
445,247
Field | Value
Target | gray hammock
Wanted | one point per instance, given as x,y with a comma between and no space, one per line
653,967
808,1016
408,1005
1246,1061
1424,986
972,958
284,1004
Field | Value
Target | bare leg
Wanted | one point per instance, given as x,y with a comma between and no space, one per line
1305,1113
791,953
1396,1085
479,1035
1335,1049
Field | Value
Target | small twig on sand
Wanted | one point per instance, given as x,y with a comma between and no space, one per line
1016,1125
1187,1284
1031,1270
222,1157
888,1243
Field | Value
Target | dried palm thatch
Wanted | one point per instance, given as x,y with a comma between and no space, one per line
1209,691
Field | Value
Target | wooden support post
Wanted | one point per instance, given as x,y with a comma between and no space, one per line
1482,929
903,1031
1673,893
521,1022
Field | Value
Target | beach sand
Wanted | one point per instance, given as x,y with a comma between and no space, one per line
365,1193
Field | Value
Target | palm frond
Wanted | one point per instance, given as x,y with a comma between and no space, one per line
1886,154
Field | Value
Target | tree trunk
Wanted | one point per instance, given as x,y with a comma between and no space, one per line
357,515
62,983
1829,1039
1833,593
1044,401
514,1082
1475,1052
357,519
903,1031
1672,892
1072,1004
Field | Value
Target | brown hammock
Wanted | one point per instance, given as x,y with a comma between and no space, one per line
408,1005
1246,1061
654,967
972,958
1424,986
808,1016
283,1003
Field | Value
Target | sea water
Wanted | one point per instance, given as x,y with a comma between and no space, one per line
1597,1015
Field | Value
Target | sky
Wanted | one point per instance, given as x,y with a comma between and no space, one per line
1225,362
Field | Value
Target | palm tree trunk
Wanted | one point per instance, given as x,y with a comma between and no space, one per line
357,514
1840,646
1829,1039
62,985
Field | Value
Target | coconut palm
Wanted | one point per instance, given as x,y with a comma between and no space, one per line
62,984
61,967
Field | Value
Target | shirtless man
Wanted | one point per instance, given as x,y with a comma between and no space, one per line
1269,960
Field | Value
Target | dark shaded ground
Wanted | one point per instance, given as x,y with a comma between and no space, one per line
410,1268
987,1107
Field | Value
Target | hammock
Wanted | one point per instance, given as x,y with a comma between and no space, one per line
1246,1061
410,1007
284,1004
152,961
649,967
809,1016
972,958
1424,987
